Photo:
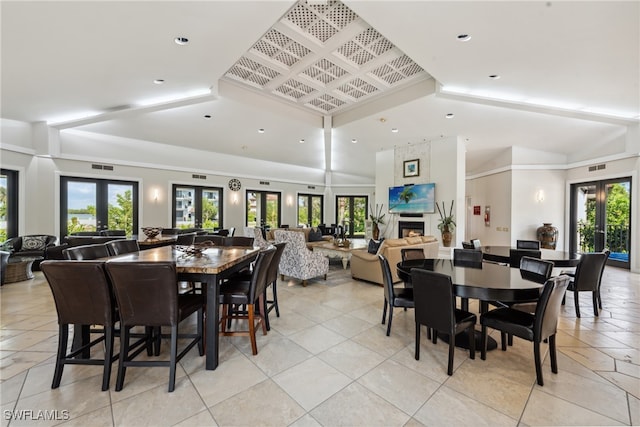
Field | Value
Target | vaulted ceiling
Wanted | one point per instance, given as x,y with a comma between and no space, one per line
567,75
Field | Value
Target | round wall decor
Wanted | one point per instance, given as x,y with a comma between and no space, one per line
234,184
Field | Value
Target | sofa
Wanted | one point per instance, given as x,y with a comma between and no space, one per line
312,236
33,245
366,266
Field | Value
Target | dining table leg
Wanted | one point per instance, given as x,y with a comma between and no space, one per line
211,322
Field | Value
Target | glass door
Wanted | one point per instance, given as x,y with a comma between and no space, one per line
351,213
197,207
93,205
310,209
601,219
8,204
263,209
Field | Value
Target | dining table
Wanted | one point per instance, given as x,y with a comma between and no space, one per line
482,281
209,267
559,258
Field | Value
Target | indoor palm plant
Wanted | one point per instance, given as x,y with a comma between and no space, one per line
446,224
377,218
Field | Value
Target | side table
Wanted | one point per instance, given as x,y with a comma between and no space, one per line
19,269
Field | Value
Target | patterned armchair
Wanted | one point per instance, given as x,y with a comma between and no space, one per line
258,239
297,260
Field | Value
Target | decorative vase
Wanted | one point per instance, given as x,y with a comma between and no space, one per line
446,238
375,232
547,235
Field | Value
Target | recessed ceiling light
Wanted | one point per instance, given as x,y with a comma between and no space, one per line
494,76
353,141
394,130
158,81
260,130
464,37
449,116
301,141
207,116
181,40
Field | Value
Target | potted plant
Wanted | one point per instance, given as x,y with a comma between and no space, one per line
376,217
446,224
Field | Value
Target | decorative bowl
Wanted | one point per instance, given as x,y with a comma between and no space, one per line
151,232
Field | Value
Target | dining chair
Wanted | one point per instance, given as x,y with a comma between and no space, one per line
119,247
587,278
147,295
186,239
467,258
170,231
239,292
213,238
86,252
412,253
476,243
83,296
435,307
272,281
393,297
528,244
467,245
243,241
535,269
113,233
515,255
534,327
232,231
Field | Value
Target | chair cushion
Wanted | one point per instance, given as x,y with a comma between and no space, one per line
374,245
403,297
511,321
34,243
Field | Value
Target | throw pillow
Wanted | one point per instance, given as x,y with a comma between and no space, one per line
34,243
374,245
315,235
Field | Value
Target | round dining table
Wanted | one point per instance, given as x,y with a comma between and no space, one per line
482,281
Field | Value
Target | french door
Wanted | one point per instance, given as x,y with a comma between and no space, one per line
197,207
310,208
8,204
601,219
351,213
263,209
88,204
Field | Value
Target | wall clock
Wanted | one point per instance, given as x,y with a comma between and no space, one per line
234,184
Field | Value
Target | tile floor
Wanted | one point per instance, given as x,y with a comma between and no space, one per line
327,361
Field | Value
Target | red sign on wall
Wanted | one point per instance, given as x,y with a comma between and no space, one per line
476,210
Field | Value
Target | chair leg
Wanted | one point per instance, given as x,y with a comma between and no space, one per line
265,309
173,357
262,307
472,342
108,355
483,344
503,340
577,302
552,354
599,299
124,351
417,351
452,343
564,297
252,330
225,313
63,340
538,362
200,330
390,319
384,310
595,303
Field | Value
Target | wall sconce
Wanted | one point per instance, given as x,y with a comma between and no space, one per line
539,196
156,195
234,199
289,201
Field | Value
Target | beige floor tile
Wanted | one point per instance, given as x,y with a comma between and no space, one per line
263,404
627,368
448,407
376,340
305,421
347,325
623,354
10,389
20,361
26,340
634,410
202,418
352,359
317,339
100,418
311,382
290,323
630,384
592,358
277,354
355,405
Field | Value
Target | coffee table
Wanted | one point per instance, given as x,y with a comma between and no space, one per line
19,268
343,252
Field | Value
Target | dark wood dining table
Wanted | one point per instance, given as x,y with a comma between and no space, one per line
484,282
215,264
559,258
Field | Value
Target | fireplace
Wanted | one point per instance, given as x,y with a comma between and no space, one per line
410,228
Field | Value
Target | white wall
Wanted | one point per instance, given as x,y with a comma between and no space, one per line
494,191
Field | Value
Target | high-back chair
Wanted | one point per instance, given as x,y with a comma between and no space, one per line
86,252
236,292
83,296
213,238
536,327
113,233
435,307
243,241
393,297
467,258
186,239
272,281
528,244
515,255
587,278
119,247
147,295
297,260
535,269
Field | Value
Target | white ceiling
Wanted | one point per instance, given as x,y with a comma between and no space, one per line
569,70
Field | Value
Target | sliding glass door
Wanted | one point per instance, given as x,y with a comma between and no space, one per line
351,213
88,204
601,218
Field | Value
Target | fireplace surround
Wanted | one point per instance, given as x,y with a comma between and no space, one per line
410,228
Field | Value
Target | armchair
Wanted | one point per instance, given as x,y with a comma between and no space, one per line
297,260
33,245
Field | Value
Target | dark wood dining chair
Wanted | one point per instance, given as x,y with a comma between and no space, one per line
587,278
528,244
534,327
467,258
515,255
412,253
119,247
393,297
83,296
243,241
435,307
86,252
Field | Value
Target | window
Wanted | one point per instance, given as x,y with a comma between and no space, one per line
8,204
310,208
351,213
263,209
88,204
197,207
